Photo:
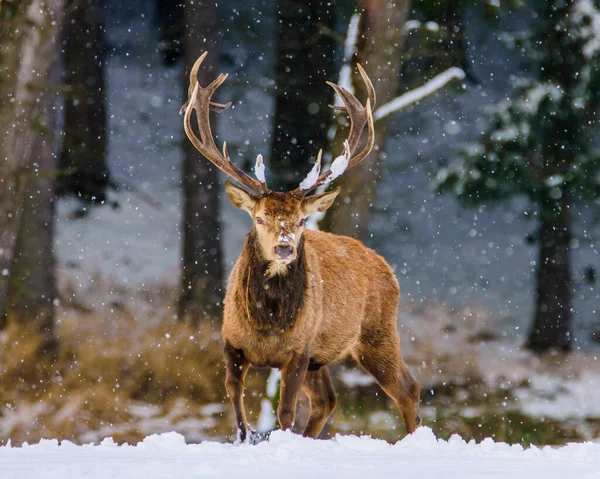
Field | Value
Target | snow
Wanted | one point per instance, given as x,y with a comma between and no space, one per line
416,24
312,223
345,78
561,398
313,175
505,135
291,456
259,169
286,238
338,166
417,94
115,244
412,25
587,17
267,419
432,26
554,180
351,37
537,93
354,377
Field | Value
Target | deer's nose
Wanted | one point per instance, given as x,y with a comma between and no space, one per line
283,251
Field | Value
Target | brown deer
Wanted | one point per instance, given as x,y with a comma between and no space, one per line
300,300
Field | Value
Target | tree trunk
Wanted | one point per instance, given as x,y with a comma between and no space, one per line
83,159
305,50
27,51
169,17
32,287
552,319
202,271
379,48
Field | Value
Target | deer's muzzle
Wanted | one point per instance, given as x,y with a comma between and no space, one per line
283,251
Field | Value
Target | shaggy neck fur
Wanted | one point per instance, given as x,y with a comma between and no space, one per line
273,302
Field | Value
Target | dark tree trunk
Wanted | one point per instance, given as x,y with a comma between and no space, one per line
455,45
380,43
202,271
305,54
169,19
28,49
83,159
32,287
552,319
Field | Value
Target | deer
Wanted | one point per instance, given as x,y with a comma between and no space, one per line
300,300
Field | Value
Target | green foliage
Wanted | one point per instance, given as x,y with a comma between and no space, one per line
540,142
437,10
510,426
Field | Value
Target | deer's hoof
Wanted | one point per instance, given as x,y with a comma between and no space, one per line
251,437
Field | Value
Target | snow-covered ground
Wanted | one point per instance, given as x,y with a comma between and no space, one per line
291,456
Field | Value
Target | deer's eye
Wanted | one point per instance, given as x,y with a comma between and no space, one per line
259,221
302,221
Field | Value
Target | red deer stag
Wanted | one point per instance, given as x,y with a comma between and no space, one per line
300,300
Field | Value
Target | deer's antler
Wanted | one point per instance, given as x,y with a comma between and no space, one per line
199,99
359,117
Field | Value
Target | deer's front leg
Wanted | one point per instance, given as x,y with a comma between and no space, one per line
236,367
292,376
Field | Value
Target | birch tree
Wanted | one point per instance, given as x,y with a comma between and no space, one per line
376,45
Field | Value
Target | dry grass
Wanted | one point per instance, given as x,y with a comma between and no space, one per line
126,368
112,370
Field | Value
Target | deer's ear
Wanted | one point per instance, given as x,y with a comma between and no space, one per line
319,202
240,198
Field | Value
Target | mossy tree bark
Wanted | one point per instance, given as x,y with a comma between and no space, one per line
32,287
380,41
28,91
202,270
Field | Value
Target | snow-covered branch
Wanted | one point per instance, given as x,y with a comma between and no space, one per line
345,78
417,94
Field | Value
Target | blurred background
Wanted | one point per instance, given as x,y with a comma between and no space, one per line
482,193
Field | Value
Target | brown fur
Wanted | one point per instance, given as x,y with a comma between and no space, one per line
347,305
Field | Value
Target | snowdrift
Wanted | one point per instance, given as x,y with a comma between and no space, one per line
289,456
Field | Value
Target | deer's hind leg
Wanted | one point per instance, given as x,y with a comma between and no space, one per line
378,351
317,386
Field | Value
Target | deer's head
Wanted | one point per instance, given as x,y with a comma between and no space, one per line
279,217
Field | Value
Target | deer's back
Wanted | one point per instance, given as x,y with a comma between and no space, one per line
348,267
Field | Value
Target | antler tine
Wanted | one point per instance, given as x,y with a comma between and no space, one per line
369,86
359,117
217,107
370,89
200,100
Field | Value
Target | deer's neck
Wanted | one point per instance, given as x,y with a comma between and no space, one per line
272,303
